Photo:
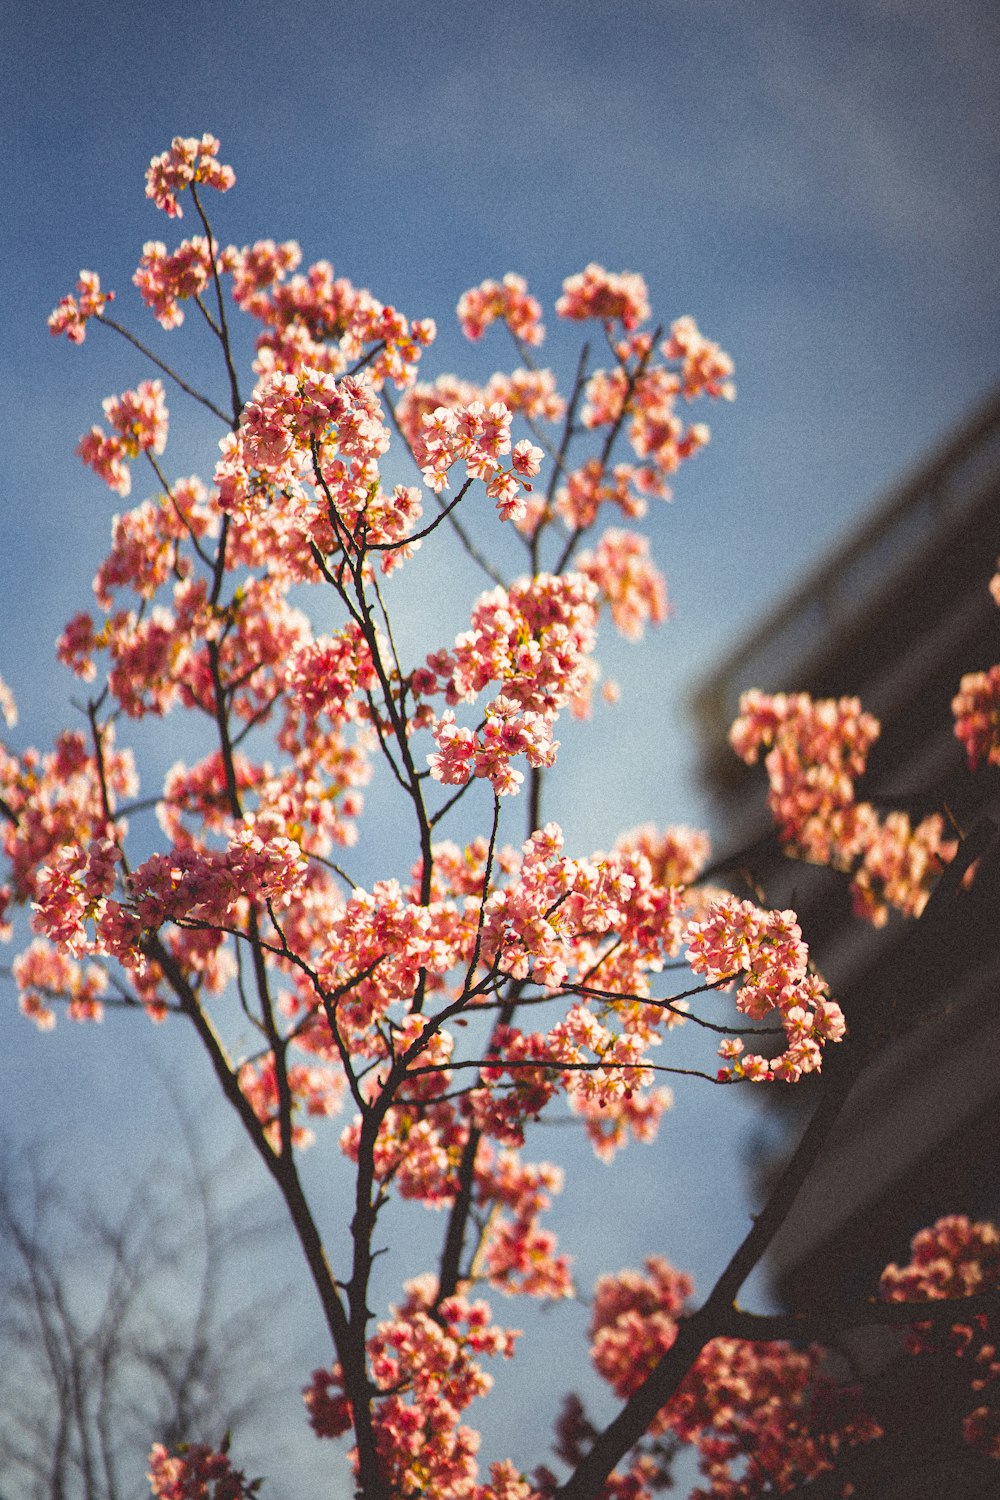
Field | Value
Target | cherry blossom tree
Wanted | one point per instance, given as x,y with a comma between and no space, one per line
445,1010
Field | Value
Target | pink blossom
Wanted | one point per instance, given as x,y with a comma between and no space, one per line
705,369
258,267
139,422
634,1321
72,890
613,297
146,552
187,161
201,885
321,321
330,675
508,300
952,1259
527,459
976,708
8,708
899,866
106,456
765,949
455,756
165,280
533,639
428,1369
72,313
474,434
44,974
631,586
527,393
188,1474
590,486
815,751
676,856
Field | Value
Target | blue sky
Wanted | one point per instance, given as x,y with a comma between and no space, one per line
817,185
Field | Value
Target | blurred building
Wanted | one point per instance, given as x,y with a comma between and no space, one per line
894,616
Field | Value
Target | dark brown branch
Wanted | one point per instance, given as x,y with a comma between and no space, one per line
281,1169
222,331
823,1326
463,536
632,378
188,390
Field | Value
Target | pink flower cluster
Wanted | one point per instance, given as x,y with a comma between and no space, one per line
487,753
419,1147
71,315
188,161
527,393
62,854
590,486
161,656
676,855
167,279
957,1258
421,1141
146,551
8,708
43,974
382,939
605,917
303,469
634,1322
705,368
257,268
197,1472
816,750
646,392
208,887
976,707
72,890
507,300
613,297
537,923
767,1400
139,417
954,1258
534,638
319,1091
56,803
288,411
139,422
326,675
771,1401
426,1360
899,865
656,432
519,1255
629,583
765,949
479,436
321,322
